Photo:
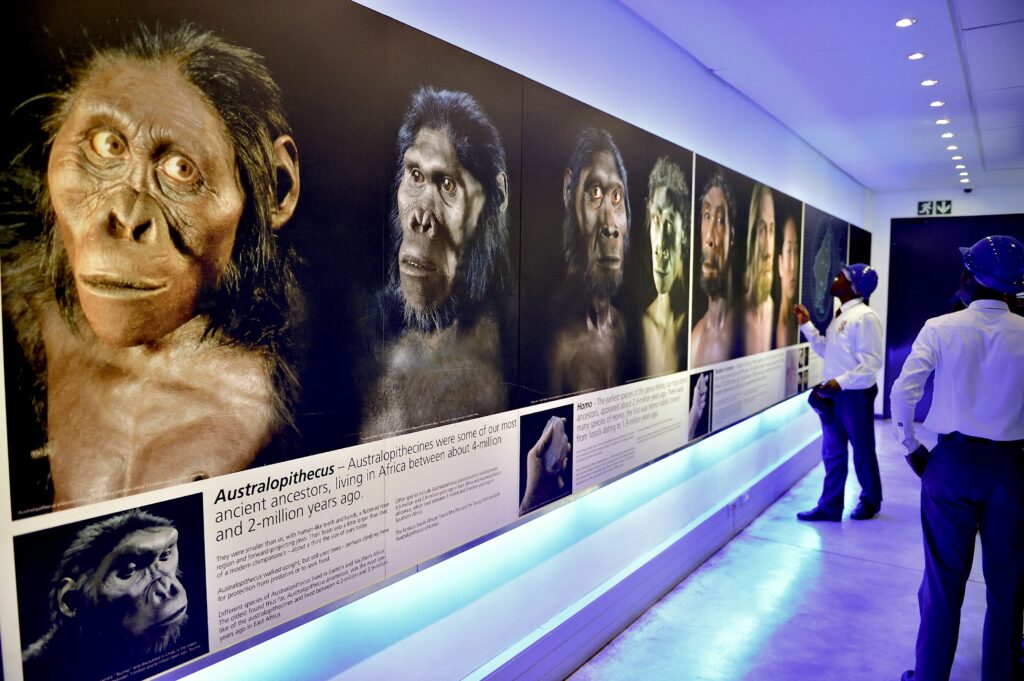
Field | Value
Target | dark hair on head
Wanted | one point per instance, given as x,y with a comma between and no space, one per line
92,544
484,271
257,302
717,179
670,176
589,143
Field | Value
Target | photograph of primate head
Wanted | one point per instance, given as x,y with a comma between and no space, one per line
589,331
668,223
118,598
149,291
714,337
759,275
449,270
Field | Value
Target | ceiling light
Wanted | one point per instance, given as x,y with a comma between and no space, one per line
946,135
914,56
937,103
906,21
965,180
964,174
952,147
960,166
942,121
958,157
929,82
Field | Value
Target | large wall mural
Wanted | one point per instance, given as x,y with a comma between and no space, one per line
297,299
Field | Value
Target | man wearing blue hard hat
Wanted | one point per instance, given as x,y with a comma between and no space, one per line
852,347
973,481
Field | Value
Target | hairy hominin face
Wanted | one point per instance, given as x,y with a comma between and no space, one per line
788,257
715,241
598,213
439,206
146,199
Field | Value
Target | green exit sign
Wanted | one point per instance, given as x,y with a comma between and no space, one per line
940,207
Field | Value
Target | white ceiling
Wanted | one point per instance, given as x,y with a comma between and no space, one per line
836,73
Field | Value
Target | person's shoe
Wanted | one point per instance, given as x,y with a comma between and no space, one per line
908,675
816,514
864,512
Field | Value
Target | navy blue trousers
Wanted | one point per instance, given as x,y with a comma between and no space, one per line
970,486
850,421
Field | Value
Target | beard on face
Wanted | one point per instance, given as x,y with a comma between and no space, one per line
712,285
597,281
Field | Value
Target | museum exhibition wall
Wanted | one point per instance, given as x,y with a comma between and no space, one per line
422,329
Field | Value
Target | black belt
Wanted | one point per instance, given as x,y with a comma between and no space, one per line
957,436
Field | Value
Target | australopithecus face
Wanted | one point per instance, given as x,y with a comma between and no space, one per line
715,241
439,206
788,257
665,223
761,255
146,195
602,225
136,588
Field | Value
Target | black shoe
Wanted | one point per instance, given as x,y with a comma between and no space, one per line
908,675
816,514
864,512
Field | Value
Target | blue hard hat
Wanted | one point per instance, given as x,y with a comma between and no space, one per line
863,277
997,262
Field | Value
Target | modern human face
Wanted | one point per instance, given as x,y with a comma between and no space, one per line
788,259
762,265
600,205
146,195
439,206
666,228
715,241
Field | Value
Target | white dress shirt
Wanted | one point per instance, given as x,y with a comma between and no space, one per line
852,345
977,355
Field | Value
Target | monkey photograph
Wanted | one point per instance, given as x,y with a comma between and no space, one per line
443,333
120,596
587,268
144,283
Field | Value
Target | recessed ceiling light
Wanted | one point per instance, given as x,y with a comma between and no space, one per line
946,135
952,147
937,103
960,166
906,21
958,157
929,82
914,56
965,180
942,121
964,174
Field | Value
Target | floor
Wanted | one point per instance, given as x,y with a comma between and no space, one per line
788,600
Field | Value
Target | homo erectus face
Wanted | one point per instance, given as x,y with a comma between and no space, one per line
763,254
137,586
788,257
147,198
715,241
439,206
665,223
600,205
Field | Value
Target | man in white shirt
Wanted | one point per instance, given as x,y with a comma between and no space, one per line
852,347
974,479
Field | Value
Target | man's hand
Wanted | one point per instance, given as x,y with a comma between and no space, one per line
554,446
801,313
698,403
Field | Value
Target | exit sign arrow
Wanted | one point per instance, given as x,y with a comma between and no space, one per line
943,207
